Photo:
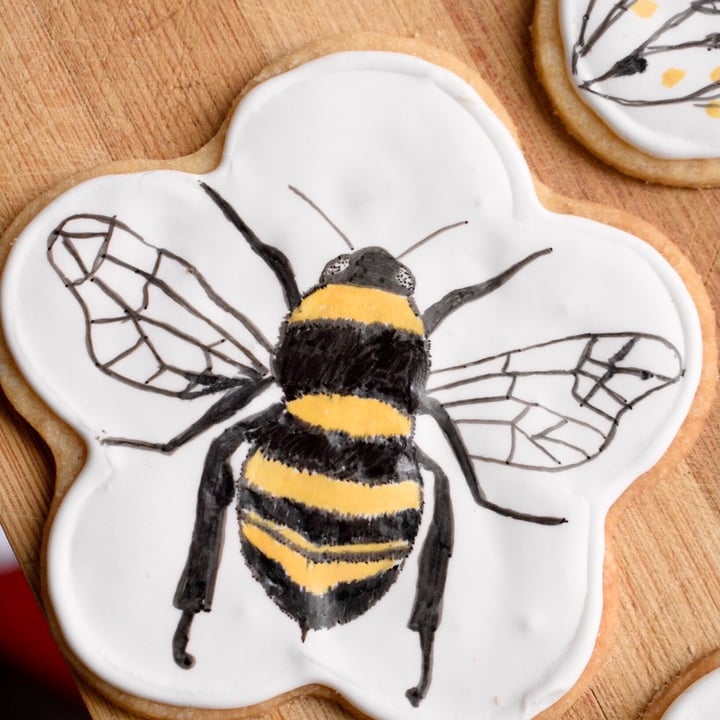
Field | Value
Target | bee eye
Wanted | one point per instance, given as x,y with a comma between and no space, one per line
336,266
405,279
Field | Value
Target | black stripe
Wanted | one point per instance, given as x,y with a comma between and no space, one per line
321,526
337,606
350,358
370,460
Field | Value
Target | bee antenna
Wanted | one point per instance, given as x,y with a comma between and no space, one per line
437,232
322,215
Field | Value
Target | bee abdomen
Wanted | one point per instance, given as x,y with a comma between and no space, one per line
326,548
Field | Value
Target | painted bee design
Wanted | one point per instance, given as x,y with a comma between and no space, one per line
670,39
330,494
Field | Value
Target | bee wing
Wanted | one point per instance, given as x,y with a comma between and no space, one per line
557,404
670,41
152,320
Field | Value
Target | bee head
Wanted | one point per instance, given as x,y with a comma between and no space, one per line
369,267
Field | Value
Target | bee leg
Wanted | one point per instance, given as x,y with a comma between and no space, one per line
433,564
455,299
445,422
180,641
196,586
275,259
229,404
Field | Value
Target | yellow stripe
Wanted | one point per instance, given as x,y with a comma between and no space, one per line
325,493
302,543
361,304
359,417
316,578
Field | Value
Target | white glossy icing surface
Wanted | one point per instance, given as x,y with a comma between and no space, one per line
390,148
671,109
701,701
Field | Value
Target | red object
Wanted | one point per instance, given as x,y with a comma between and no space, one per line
25,640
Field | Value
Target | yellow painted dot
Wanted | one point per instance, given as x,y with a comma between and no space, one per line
644,8
713,110
715,74
672,77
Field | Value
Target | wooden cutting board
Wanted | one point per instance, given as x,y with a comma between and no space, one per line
84,83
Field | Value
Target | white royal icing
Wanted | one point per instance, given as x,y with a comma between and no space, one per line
390,148
701,701
650,69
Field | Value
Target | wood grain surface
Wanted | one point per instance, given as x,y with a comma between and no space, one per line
85,82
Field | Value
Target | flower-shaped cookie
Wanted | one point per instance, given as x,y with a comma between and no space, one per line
355,391
694,693
638,82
